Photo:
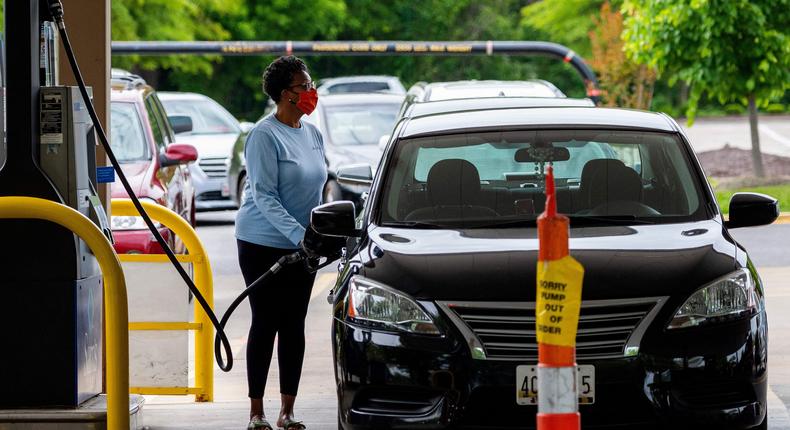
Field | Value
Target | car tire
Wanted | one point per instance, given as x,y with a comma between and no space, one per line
332,191
339,423
764,424
240,189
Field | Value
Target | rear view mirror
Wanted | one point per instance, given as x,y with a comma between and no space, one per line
335,219
533,154
751,209
178,153
355,174
180,123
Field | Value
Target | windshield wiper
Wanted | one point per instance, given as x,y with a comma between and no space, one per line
607,220
510,223
414,224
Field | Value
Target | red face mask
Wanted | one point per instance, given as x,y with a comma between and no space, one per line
307,101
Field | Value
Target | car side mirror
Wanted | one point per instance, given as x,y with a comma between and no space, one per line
751,209
246,126
180,123
178,153
355,174
335,219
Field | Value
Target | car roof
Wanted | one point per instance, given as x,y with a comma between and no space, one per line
177,95
362,98
524,118
489,88
486,103
126,86
358,78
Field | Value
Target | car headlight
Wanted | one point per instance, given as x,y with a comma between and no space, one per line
729,297
375,305
130,223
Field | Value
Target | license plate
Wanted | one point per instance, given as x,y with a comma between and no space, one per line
527,384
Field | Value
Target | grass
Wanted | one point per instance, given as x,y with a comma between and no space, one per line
781,192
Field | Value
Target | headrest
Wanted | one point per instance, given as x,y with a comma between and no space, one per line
453,182
608,180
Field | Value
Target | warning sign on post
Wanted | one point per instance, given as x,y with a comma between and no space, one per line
558,301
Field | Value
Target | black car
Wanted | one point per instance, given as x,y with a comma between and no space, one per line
434,322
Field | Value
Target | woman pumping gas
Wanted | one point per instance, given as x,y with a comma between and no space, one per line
286,172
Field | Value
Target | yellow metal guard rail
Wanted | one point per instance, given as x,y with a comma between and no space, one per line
204,331
114,294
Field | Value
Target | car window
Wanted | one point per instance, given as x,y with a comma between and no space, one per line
478,179
126,133
156,126
164,123
361,124
208,117
463,92
358,87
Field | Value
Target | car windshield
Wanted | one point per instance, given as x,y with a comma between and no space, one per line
497,179
126,133
361,124
208,117
357,87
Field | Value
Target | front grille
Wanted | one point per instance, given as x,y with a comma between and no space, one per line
214,167
506,331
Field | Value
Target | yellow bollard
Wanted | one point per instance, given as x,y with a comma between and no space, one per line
204,337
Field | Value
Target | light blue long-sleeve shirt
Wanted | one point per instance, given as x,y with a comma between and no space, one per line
286,172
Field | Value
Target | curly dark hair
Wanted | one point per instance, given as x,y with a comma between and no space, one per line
279,74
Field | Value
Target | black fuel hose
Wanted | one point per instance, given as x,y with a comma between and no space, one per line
56,10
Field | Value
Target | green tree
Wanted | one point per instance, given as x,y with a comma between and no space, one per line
564,21
735,50
183,20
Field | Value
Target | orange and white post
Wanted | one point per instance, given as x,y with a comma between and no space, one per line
559,291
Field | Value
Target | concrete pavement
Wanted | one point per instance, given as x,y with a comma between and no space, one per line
316,400
708,134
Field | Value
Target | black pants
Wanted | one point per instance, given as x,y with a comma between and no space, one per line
278,308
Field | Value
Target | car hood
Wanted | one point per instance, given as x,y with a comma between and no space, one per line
358,154
500,264
210,145
137,174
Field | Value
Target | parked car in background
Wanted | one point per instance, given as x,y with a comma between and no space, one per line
434,306
143,141
214,133
361,84
352,125
474,89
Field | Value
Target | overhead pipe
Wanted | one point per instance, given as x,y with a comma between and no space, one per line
366,48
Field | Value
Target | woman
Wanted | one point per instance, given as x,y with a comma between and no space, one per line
286,173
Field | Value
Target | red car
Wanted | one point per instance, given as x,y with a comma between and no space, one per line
142,139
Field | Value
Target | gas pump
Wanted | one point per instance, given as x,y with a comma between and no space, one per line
50,282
